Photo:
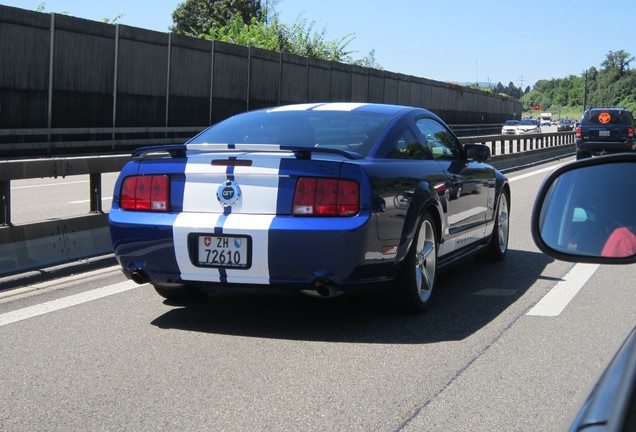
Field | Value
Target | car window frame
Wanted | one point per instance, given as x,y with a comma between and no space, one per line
457,150
397,153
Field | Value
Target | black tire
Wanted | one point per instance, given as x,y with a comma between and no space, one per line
583,155
498,246
177,292
416,282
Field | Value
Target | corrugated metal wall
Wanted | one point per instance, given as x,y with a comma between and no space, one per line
61,71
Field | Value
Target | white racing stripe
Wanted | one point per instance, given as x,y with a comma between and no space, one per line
74,300
556,300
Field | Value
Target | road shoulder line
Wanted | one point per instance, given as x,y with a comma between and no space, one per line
557,299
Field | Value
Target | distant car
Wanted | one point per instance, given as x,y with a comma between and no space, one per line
565,125
605,130
510,127
546,122
318,198
528,126
581,214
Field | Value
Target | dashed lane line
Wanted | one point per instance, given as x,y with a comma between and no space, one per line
557,299
63,303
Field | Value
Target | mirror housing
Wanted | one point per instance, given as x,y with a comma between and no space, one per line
582,204
477,152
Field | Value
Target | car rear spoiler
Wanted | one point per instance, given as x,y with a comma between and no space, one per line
179,150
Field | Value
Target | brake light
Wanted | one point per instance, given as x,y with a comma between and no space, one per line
326,197
146,193
579,134
630,132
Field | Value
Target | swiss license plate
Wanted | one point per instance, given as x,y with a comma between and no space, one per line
223,251
604,133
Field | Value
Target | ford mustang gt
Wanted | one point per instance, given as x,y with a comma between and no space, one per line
321,198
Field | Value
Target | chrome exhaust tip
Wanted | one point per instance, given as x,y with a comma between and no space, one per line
139,276
323,289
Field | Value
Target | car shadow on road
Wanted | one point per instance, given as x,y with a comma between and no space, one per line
470,296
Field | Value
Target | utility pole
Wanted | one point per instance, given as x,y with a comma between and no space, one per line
476,75
585,91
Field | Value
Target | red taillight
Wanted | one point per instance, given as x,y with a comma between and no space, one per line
146,193
326,197
578,133
630,132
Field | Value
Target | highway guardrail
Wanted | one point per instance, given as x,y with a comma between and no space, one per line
60,240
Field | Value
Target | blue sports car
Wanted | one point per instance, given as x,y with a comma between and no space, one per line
324,198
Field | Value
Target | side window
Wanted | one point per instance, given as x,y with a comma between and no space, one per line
407,146
441,141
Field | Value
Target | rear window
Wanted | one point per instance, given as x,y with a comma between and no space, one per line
354,131
606,117
526,122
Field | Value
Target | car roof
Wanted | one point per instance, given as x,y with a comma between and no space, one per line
607,108
387,109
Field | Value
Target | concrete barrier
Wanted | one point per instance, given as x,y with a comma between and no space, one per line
52,242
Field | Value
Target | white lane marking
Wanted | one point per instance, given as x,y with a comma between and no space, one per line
87,201
48,184
74,300
556,300
56,284
530,174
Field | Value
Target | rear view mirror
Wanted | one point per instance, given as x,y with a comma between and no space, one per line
477,152
586,211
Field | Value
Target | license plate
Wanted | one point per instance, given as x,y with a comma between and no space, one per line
224,251
604,133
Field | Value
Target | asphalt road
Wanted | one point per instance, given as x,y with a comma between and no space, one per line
94,352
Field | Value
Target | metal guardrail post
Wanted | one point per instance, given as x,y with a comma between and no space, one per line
5,203
96,193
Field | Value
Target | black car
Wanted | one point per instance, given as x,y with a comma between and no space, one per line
605,130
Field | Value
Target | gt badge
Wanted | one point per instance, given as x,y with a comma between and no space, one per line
228,193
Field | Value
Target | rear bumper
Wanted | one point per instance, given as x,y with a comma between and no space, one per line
287,252
597,147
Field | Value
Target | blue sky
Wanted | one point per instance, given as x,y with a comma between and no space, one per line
449,40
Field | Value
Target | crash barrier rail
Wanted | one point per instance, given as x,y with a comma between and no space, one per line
54,141
55,241
99,140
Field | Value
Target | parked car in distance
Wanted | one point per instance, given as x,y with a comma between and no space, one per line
605,130
581,215
509,127
528,126
565,125
323,199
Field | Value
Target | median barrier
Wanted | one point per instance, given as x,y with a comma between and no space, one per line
47,243
57,241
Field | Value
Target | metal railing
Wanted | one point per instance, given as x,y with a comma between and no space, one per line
95,166
56,141
509,144
55,241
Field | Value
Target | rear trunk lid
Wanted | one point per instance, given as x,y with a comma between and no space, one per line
250,182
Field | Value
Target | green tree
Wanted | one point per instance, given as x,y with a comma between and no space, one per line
255,33
300,39
614,84
617,62
200,17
